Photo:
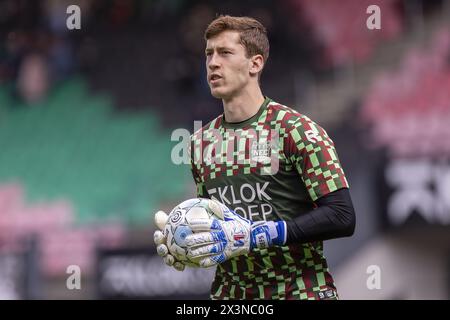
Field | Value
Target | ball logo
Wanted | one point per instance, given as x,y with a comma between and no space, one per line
176,217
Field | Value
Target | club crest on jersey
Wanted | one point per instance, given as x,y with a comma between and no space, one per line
260,151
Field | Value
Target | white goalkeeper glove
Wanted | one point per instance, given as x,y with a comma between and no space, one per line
233,236
160,239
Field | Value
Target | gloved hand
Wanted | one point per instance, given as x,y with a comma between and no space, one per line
233,236
160,240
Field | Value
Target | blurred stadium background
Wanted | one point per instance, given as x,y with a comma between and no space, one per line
86,118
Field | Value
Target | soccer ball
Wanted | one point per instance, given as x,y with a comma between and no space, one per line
184,219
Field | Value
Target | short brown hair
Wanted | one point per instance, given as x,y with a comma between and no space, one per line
253,35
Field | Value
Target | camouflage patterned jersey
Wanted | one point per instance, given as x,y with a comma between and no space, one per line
272,166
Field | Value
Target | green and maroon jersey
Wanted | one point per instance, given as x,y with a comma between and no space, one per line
272,166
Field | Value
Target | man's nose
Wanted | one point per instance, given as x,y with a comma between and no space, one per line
213,62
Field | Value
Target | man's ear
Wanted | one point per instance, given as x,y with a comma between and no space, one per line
256,64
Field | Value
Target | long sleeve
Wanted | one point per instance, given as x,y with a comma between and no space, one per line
334,217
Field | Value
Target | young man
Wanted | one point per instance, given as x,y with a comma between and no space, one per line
275,168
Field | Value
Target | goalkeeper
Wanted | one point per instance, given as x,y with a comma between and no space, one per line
276,170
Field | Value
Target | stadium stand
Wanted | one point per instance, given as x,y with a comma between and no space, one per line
74,173
412,102
337,27
59,149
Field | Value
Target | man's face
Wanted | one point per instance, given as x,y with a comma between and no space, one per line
228,68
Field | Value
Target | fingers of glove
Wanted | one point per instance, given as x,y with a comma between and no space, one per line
169,259
179,266
222,211
200,224
216,225
218,208
162,250
212,261
205,225
204,238
205,251
159,237
161,219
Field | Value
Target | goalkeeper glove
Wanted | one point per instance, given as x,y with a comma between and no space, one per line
160,239
233,236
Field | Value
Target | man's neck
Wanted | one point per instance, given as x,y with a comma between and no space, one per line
242,107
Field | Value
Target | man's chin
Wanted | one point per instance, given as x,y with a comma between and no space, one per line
219,94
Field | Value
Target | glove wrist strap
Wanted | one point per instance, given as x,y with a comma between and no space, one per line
277,232
267,234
